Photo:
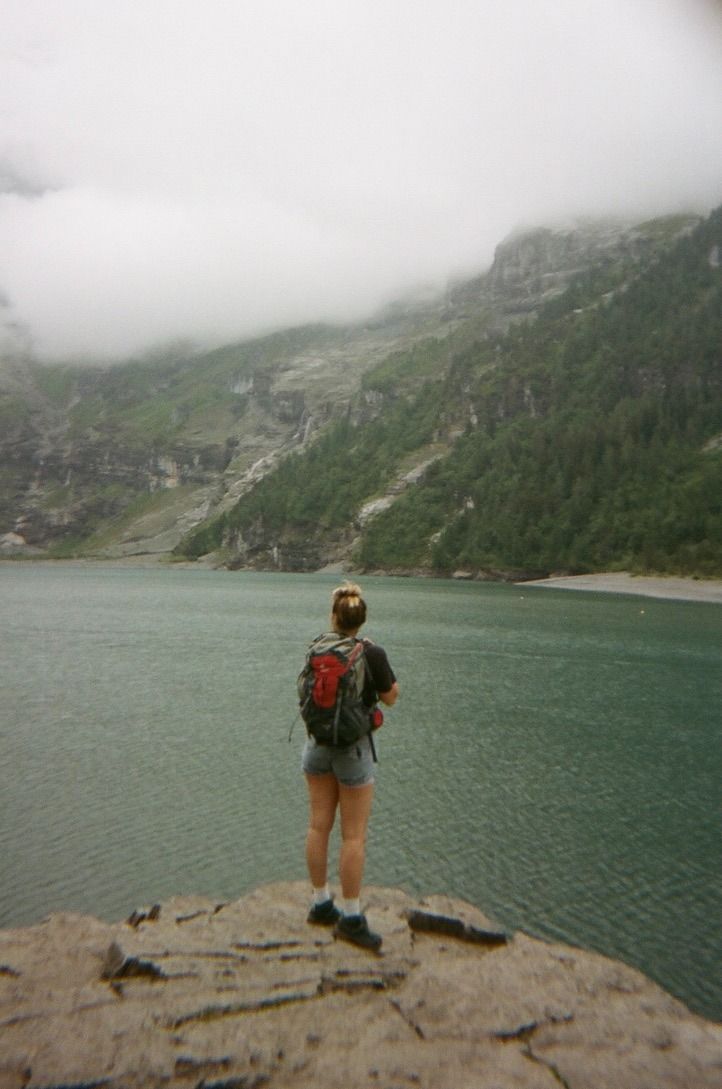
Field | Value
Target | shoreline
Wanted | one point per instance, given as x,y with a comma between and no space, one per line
671,588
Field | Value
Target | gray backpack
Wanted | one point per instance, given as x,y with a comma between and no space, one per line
330,690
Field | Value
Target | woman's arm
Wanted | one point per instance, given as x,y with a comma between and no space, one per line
380,675
390,697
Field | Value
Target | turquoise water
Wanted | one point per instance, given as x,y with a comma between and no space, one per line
554,756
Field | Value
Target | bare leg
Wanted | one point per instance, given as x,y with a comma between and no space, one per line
355,805
323,795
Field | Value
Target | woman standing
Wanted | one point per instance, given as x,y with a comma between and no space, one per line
342,778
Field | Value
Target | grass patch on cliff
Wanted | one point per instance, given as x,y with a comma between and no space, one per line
144,516
404,369
14,412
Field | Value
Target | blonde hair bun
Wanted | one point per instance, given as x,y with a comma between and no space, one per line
349,607
348,590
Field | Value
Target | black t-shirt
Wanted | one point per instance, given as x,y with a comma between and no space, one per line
381,677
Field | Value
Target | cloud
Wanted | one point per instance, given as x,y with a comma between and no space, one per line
210,170
13,179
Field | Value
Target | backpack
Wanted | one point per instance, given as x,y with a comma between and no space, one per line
330,689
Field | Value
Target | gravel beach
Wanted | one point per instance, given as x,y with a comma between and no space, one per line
680,589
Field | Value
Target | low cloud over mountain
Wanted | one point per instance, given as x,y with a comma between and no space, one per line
211,170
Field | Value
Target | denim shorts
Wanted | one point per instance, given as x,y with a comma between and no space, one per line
352,765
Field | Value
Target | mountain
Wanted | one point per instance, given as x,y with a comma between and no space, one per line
587,436
124,460
561,412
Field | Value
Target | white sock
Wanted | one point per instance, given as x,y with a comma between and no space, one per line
352,907
320,896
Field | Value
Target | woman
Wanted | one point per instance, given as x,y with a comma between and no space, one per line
342,778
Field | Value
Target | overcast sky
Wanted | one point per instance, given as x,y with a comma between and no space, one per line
210,169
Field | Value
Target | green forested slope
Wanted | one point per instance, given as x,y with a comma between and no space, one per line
586,439
596,443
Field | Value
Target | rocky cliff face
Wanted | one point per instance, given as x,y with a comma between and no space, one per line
532,266
246,994
79,449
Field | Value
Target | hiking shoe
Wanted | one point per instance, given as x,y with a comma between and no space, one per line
355,929
324,914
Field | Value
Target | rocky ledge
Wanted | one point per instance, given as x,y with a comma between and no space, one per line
238,995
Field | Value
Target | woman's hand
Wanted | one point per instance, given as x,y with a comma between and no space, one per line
390,697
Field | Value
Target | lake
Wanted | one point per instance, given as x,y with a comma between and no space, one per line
554,756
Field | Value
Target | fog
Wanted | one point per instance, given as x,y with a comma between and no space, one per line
180,169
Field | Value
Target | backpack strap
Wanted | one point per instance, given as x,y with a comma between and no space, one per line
358,649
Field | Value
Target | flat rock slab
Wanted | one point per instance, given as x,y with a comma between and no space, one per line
201,995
